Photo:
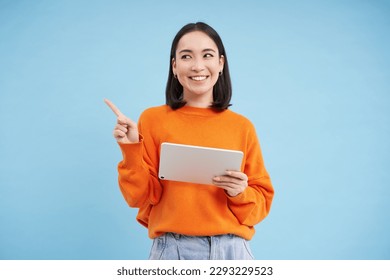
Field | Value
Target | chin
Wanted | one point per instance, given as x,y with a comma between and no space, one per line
201,91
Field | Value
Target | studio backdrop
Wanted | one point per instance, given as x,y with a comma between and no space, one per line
313,77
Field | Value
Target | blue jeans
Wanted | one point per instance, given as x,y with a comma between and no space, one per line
172,246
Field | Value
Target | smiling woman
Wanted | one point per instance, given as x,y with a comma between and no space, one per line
196,113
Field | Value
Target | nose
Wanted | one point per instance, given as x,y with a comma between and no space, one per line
197,65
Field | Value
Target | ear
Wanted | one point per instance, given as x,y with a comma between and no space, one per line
221,62
173,65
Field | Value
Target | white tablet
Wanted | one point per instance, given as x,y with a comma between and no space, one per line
195,164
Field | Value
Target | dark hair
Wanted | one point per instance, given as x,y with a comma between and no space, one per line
222,91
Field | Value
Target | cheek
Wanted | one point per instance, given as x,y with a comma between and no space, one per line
217,68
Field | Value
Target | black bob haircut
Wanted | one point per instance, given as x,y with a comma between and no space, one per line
222,90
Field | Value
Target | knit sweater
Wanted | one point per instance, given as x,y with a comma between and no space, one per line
187,208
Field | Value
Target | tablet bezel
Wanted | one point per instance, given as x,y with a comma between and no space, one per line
196,164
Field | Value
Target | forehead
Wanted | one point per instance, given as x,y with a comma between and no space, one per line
196,41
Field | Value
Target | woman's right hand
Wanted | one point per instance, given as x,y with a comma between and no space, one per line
125,131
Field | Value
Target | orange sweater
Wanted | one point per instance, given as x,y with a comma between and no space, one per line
186,208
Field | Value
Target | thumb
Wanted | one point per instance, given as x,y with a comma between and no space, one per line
123,120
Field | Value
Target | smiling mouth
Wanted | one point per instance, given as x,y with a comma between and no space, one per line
198,78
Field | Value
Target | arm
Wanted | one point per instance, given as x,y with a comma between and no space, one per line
250,192
137,176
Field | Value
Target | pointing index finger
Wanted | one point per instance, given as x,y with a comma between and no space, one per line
116,111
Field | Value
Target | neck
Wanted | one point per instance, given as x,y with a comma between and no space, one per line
199,101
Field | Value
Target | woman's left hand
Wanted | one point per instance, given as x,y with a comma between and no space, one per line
233,182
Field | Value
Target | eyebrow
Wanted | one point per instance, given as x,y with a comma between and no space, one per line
190,51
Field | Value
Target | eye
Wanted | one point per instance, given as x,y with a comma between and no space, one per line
185,56
208,55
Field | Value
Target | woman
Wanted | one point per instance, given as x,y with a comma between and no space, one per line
186,220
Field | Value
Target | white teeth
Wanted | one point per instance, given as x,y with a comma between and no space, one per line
199,78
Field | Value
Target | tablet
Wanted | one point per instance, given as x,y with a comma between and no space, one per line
195,164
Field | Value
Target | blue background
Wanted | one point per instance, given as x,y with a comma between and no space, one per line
313,76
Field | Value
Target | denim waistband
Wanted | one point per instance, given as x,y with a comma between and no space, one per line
172,246
178,236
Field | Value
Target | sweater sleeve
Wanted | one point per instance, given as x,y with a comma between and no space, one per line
253,205
133,174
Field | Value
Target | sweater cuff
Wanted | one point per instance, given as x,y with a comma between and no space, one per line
132,153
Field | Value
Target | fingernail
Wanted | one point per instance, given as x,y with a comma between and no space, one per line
217,178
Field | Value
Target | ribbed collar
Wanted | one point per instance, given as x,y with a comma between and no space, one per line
195,111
